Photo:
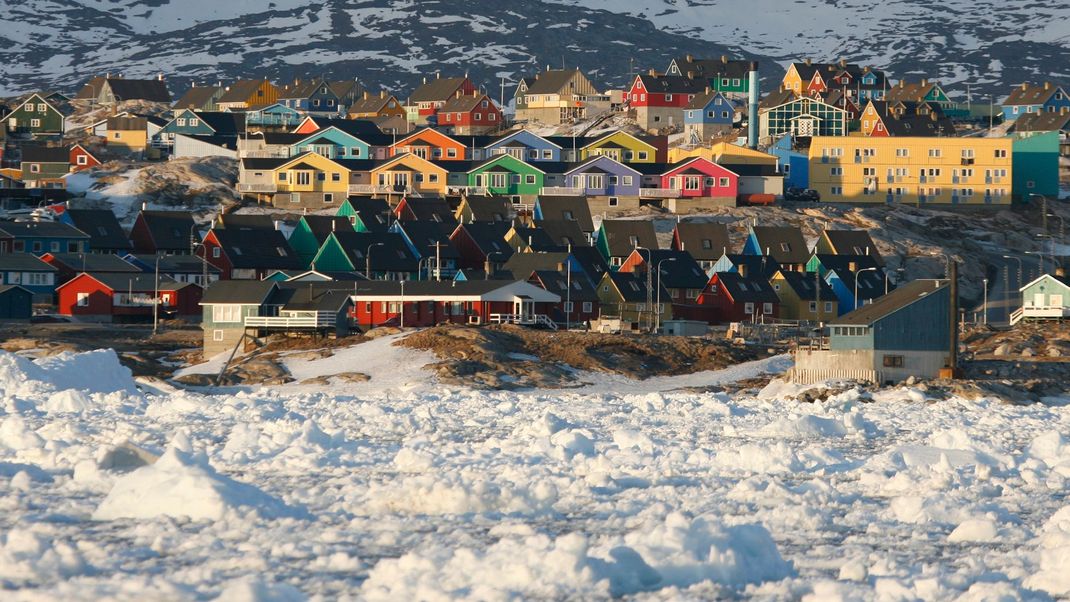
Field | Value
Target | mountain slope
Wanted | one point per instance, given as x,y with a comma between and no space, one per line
991,44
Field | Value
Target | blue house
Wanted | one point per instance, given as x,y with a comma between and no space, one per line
332,143
871,285
29,272
795,165
902,334
525,146
602,176
203,123
1030,98
275,114
708,115
42,237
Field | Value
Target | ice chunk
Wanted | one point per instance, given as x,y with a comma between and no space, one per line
975,529
178,486
255,589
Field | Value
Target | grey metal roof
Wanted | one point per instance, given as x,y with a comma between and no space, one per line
245,292
619,235
41,230
703,240
103,228
890,303
23,262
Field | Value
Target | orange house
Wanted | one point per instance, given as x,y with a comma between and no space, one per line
872,122
432,145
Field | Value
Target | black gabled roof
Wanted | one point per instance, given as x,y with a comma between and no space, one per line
807,284
41,229
141,282
854,242
488,209
223,122
619,234
304,296
264,163
23,262
592,262
393,256
438,89
521,265
424,235
536,238
282,138
1042,122
785,244
554,208
365,129
575,288
705,241
256,221
257,249
678,268
170,230
187,264
102,226
427,208
196,97
870,283
244,292
754,265
321,226
847,263
744,289
490,238
374,213
564,233
94,262
890,303
632,287
153,90
33,152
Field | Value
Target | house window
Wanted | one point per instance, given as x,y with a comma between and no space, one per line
226,313
529,179
1001,153
568,307
181,121
813,307
217,335
626,180
194,122
83,300
336,177
35,123
216,252
328,197
893,361
613,201
35,168
642,155
54,246
82,160
828,306
748,308
588,307
42,108
767,308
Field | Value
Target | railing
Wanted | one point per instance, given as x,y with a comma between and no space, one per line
659,193
472,190
374,189
323,319
561,191
264,154
1042,311
257,187
523,320
1017,315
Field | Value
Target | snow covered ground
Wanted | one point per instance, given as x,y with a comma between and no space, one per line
419,491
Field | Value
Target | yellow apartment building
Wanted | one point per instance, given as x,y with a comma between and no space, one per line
913,170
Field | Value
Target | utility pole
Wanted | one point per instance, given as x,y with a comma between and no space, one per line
156,299
568,289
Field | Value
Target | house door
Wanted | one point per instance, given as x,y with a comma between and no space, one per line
1038,300
805,127
524,308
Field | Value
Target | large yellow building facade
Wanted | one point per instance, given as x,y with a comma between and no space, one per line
912,170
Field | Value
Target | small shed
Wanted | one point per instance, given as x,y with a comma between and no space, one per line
16,303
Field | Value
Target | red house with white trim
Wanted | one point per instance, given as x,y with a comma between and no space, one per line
81,159
700,177
735,298
659,100
470,115
116,297
429,302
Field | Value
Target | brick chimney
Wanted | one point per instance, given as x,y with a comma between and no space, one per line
809,61
1047,85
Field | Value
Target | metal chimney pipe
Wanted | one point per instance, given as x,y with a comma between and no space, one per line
752,114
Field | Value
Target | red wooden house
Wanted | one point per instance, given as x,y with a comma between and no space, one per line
116,297
430,302
69,265
701,178
82,159
431,95
470,114
659,100
735,298
482,245
166,232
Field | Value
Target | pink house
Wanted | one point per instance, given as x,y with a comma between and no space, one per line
699,177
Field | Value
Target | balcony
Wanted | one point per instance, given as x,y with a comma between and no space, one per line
375,189
296,320
561,191
264,154
469,190
659,193
258,187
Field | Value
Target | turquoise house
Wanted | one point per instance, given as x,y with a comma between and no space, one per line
332,143
1035,165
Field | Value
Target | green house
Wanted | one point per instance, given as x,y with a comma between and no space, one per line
312,231
37,116
1035,165
507,175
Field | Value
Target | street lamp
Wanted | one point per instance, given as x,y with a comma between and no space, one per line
486,263
1007,284
402,304
947,262
156,298
649,293
1062,228
897,271
984,304
857,274
368,259
657,306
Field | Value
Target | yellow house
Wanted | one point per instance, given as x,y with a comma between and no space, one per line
804,296
914,170
621,147
724,152
127,134
407,172
306,181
